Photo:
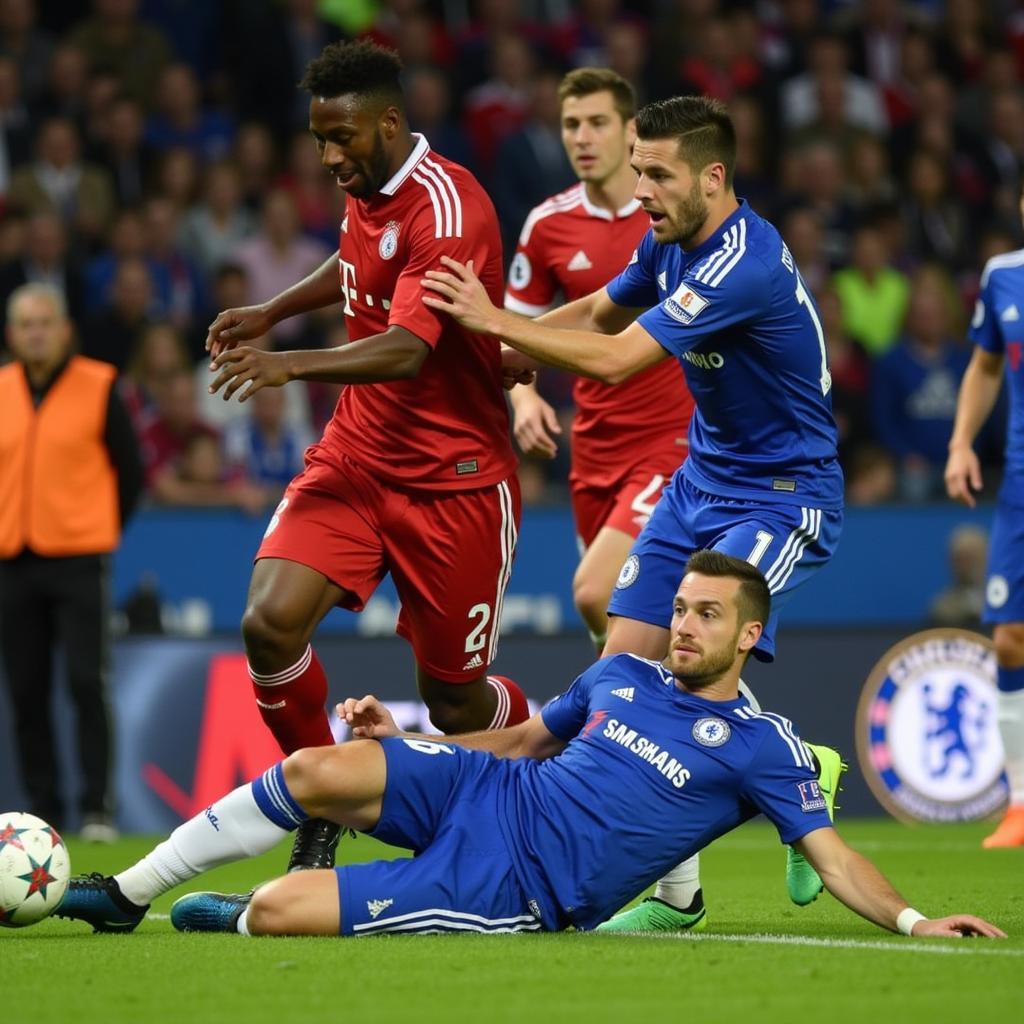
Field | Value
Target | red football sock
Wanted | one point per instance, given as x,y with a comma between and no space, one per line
292,703
513,706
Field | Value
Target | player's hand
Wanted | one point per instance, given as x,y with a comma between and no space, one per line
516,368
367,717
957,926
252,366
236,325
460,294
536,426
963,475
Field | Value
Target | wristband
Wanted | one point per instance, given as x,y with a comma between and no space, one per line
907,918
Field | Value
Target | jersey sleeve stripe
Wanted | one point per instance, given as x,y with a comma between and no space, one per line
718,257
557,204
785,729
523,308
445,178
439,225
443,194
741,248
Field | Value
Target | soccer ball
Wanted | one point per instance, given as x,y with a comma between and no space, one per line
34,869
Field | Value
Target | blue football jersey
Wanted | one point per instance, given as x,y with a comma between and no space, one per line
998,327
650,776
737,315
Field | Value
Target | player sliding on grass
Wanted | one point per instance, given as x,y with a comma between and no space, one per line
554,822
713,286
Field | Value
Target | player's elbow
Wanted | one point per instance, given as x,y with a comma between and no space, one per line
408,365
615,370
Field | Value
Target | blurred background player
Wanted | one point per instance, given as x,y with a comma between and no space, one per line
415,474
70,475
997,331
629,439
713,285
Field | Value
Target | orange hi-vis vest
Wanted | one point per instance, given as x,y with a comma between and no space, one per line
58,488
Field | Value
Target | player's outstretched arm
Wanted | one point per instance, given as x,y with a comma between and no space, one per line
319,289
978,393
855,881
593,312
370,719
607,358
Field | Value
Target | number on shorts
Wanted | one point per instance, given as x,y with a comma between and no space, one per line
428,747
640,502
764,541
476,640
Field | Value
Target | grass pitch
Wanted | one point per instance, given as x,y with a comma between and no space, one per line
761,960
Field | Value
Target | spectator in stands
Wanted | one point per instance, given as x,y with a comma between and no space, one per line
962,602
428,103
628,50
214,228
127,241
753,172
937,223
801,231
60,182
874,32
1004,148
873,293
15,128
229,289
115,39
814,176
869,179
67,77
157,358
490,22
963,39
872,477
914,387
185,299
263,444
63,415
409,27
113,333
581,40
531,164
256,158
45,260
123,152
28,46
177,177
180,119
717,67
276,257
320,204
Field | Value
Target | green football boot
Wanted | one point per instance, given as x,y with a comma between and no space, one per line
655,915
803,883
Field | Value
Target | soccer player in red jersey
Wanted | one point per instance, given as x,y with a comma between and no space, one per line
627,440
415,473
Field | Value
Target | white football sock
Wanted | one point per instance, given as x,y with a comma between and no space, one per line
1011,728
230,829
242,925
680,885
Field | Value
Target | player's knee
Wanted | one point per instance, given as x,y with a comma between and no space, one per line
267,631
1008,640
269,910
308,774
454,710
591,601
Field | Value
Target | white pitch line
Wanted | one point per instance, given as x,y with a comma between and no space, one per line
158,917
975,948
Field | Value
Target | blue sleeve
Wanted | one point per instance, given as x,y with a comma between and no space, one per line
696,311
564,716
637,285
984,330
784,788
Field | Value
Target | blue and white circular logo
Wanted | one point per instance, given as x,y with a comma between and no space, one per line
389,240
628,573
927,734
520,272
711,732
997,591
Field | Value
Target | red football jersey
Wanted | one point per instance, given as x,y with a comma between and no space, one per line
446,429
572,247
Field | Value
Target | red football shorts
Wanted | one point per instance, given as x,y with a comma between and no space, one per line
449,554
625,505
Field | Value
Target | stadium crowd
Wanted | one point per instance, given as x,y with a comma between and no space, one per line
155,166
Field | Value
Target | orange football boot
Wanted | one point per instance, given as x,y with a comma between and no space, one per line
1010,831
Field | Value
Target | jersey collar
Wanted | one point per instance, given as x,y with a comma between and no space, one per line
419,151
715,241
602,214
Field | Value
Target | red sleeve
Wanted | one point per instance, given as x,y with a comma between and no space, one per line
531,286
478,242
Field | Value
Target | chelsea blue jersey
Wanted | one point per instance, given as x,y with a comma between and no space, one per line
650,776
737,315
998,327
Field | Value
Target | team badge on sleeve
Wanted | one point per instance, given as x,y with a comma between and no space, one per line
810,797
520,272
711,732
685,304
389,240
629,572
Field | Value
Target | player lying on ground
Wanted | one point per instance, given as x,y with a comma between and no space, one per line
555,822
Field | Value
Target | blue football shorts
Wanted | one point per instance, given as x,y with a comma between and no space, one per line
1004,588
788,543
441,802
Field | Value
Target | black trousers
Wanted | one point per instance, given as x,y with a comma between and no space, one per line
48,604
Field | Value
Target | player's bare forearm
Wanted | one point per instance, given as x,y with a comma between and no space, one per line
397,354
319,289
528,739
978,393
595,312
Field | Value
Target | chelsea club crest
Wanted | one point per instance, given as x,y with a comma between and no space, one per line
927,736
389,240
711,732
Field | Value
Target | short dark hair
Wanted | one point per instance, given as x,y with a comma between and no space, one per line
701,125
754,600
587,81
361,68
